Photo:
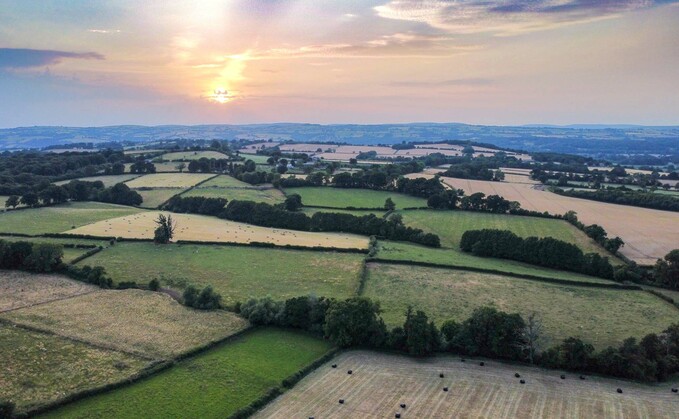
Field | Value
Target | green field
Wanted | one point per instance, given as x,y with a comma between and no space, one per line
60,218
450,225
358,213
108,180
224,181
237,272
259,159
153,198
214,384
356,198
36,368
455,257
599,316
193,155
269,196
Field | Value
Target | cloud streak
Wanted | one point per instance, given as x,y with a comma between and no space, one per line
18,58
443,83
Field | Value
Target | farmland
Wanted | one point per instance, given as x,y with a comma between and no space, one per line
21,289
212,229
153,198
60,218
210,189
143,323
236,272
381,382
652,234
36,368
108,180
353,198
211,385
192,155
169,180
600,316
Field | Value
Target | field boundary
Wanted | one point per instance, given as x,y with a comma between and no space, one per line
277,246
68,297
87,254
612,285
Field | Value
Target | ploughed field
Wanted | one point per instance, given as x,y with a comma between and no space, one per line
380,383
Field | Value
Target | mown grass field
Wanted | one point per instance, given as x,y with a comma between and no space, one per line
108,180
381,382
36,368
60,218
450,225
455,257
269,196
214,384
225,181
168,180
144,323
193,155
20,289
356,198
153,198
238,273
599,316
259,159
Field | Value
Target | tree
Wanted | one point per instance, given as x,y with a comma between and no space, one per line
30,199
666,270
181,166
293,202
44,257
6,409
531,336
355,322
389,205
422,337
12,201
117,168
165,230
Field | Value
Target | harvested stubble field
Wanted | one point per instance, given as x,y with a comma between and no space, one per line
108,180
599,316
193,155
168,180
450,225
37,368
143,323
269,195
381,382
22,289
650,236
400,251
358,198
214,384
236,272
212,229
60,218
153,198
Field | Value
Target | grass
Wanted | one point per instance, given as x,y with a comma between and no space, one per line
21,289
381,382
455,257
356,198
108,180
60,218
153,198
225,181
69,252
600,316
358,213
269,196
36,368
212,385
168,180
143,323
259,159
238,273
193,155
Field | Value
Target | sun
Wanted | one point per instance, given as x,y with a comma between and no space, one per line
220,95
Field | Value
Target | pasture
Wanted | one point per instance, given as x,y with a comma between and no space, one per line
153,198
214,384
236,272
169,180
455,257
599,316
212,229
651,235
192,155
161,167
22,289
37,368
356,198
269,195
60,218
107,180
143,323
257,158
381,382
225,181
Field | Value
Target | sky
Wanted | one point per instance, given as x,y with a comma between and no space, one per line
511,62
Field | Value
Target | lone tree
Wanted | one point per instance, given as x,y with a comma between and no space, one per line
532,337
12,201
165,230
293,202
389,205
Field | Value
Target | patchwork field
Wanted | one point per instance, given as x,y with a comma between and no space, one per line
225,181
153,198
160,167
169,180
213,229
143,323
454,257
381,382
599,316
269,195
60,218
193,155
108,180
650,236
36,368
21,289
356,198
214,384
450,225
236,272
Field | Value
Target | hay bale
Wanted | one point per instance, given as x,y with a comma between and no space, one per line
517,375
334,365
350,372
619,390
482,363
462,360
522,381
563,376
674,390
403,405
445,388
582,377
398,415
441,375
341,401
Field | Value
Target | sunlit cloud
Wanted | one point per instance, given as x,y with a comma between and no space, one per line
104,31
15,58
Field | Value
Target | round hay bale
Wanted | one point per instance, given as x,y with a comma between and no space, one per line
462,360
441,375
619,390
563,376
334,365
341,401
522,381
674,390
517,375
482,363
403,405
398,415
582,377
350,372
445,388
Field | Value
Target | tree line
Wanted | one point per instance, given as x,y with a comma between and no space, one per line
634,198
33,257
75,190
541,251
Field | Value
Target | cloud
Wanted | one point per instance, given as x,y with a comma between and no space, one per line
509,16
473,81
104,31
14,58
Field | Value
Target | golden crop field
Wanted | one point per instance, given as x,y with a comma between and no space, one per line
143,323
212,229
169,180
651,234
21,289
108,180
381,382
